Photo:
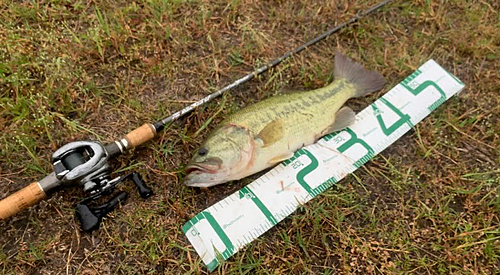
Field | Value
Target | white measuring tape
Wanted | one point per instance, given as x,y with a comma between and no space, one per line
221,230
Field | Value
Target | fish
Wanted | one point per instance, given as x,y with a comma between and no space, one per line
268,132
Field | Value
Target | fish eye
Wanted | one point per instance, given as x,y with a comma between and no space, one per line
203,151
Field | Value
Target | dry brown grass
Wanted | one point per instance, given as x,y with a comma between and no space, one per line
74,70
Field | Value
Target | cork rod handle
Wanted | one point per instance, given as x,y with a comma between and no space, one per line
20,200
140,135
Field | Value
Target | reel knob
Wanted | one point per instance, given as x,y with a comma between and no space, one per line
142,188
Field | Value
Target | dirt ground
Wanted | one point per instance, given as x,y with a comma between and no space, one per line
78,70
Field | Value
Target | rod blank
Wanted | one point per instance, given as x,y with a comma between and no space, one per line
159,125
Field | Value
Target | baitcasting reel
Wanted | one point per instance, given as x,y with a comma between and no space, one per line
86,162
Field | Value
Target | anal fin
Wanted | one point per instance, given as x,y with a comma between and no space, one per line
281,158
343,118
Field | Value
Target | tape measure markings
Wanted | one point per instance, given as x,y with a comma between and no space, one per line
257,207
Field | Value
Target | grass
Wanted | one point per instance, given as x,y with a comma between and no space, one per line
76,70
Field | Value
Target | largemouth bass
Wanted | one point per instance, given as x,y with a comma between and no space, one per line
268,132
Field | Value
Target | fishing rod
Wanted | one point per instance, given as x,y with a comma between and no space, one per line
85,163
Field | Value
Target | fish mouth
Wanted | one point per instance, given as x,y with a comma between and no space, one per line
204,173
210,166
200,184
199,168
199,176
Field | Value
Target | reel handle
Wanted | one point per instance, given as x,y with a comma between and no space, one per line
90,218
20,200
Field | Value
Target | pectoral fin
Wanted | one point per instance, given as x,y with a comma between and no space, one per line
343,118
271,133
281,158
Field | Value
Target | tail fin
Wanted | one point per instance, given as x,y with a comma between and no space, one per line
364,80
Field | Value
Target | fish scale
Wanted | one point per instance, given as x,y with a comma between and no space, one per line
218,233
273,108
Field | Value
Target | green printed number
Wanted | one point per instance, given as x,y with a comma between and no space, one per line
205,215
403,118
354,139
417,90
245,192
307,170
